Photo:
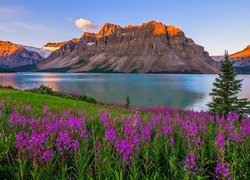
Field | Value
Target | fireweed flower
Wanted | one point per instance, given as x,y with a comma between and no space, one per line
172,141
1,113
74,146
228,127
189,162
65,113
22,141
125,148
146,131
111,135
45,109
2,104
222,169
64,144
27,107
220,140
197,141
234,136
245,127
47,155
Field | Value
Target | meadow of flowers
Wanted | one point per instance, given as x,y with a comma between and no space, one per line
145,143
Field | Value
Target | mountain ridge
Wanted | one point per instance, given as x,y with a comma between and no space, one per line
149,47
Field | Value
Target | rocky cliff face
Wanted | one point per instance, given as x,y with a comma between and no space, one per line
13,55
150,47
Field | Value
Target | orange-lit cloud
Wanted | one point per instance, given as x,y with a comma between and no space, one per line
85,24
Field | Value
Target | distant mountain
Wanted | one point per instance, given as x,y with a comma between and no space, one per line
217,58
42,52
242,60
148,48
13,55
53,46
245,53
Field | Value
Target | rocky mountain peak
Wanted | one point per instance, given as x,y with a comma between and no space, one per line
75,40
157,27
107,30
172,30
7,48
88,34
52,46
245,53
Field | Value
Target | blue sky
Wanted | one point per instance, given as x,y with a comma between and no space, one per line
215,24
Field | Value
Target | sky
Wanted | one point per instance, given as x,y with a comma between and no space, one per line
217,25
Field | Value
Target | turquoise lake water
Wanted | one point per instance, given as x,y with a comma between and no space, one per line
189,91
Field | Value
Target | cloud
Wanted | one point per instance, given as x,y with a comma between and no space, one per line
12,10
10,26
69,19
32,27
85,24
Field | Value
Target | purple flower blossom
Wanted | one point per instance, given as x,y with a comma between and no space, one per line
111,135
234,136
2,104
22,140
220,140
190,162
222,169
47,156
74,146
146,131
228,127
1,113
27,107
45,109
197,141
125,147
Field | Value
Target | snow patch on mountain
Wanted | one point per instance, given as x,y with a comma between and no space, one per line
50,49
42,52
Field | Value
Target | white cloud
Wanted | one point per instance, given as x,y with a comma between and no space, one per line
85,24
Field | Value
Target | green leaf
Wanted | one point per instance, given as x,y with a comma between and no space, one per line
172,165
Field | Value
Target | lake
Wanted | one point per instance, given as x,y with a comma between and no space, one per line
188,91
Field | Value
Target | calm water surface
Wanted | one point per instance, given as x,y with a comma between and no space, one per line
187,91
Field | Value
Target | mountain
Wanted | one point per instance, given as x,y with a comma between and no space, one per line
42,52
13,55
242,60
146,48
53,46
244,54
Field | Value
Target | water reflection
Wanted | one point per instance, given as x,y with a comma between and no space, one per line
174,90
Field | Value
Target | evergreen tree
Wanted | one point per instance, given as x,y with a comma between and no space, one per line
127,102
225,92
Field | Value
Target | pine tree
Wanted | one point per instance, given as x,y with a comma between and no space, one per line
127,102
225,92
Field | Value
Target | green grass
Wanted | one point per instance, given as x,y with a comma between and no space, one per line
39,100
55,103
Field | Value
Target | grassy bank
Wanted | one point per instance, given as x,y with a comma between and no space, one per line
49,137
